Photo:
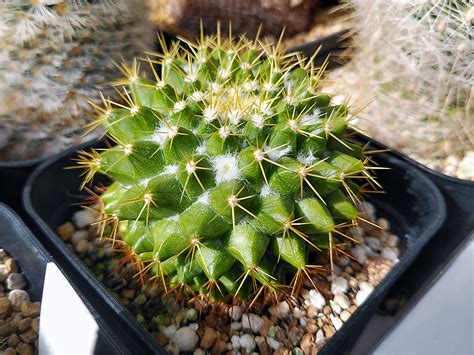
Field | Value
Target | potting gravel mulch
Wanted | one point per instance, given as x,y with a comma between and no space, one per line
299,325
19,317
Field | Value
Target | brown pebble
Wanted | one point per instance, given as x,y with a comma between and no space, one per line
5,306
11,265
264,348
295,334
312,312
327,310
24,349
30,309
219,347
160,338
320,323
312,328
307,344
328,330
267,324
29,336
209,338
13,340
282,351
361,276
356,266
6,329
128,293
35,324
24,325
66,230
9,351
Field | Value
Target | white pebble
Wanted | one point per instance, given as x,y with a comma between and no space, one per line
15,281
169,331
199,351
3,272
317,299
298,312
273,343
186,339
16,297
373,243
84,218
392,240
369,252
335,307
339,285
345,315
336,322
252,321
389,254
364,292
191,314
247,342
303,322
194,326
281,310
342,300
235,340
235,312
342,261
79,235
359,253
236,325
319,336
82,246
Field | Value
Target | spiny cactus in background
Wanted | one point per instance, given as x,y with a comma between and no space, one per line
231,172
413,62
54,55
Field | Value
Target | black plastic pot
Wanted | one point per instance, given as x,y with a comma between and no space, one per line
413,205
32,258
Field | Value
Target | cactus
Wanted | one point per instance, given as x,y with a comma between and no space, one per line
231,173
54,54
412,65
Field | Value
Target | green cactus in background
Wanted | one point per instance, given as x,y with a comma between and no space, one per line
231,172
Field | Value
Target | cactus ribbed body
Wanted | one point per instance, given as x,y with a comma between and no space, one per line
230,171
54,55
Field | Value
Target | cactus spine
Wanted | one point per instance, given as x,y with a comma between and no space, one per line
54,55
231,172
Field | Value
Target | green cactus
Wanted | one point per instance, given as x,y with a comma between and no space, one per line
231,173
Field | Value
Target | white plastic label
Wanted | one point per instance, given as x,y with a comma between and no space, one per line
66,325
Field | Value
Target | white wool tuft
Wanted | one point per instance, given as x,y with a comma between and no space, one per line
204,198
307,158
170,169
266,191
278,153
174,218
226,168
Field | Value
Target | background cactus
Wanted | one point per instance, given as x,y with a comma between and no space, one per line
54,55
412,69
231,172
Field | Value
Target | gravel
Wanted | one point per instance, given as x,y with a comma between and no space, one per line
295,326
19,317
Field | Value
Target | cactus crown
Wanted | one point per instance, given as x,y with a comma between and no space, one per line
231,173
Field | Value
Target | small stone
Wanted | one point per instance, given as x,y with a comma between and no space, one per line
282,351
303,321
24,325
364,292
267,324
66,230
319,336
186,339
335,307
172,348
199,351
209,338
3,272
252,321
295,334
247,342
24,349
78,236
5,306
336,322
307,343
316,299
191,314
29,336
169,331
236,325
84,218
327,310
17,297
312,311
10,265
383,223
15,281
219,347
9,351
235,340
235,312
298,312
273,343
35,325
359,253
7,329
311,328
13,340
389,254
361,276
328,330
392,240
30,309
297,351
281,310
342,300
82,246
344,315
